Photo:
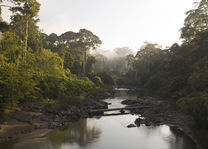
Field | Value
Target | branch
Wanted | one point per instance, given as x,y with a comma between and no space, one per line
5,6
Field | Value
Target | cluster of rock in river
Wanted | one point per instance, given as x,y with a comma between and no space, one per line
34,116
161,112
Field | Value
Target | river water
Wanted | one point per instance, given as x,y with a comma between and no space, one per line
111,132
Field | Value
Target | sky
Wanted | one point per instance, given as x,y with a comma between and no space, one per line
117,23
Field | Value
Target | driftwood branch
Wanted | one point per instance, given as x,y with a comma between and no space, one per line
117,109
5,6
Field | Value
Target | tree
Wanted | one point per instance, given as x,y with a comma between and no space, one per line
4,26
89,66
100,64
122,52
196,21
24,14
80,43
130,59
146,59
10,47
68,60
88,41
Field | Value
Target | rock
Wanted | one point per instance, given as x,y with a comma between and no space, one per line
147,124
37,127
54,125
138,121
138,125
122,111
131,125
130,102
145,121
94,104
5,123
156,121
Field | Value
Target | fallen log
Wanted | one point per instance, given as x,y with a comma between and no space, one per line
118,109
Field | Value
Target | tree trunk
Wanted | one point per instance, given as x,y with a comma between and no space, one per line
0,15
84,61
26,38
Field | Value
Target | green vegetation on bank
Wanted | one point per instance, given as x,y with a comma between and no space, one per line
36,67
179,73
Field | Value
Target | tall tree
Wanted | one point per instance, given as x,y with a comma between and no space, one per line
89,66
83,41
196,21
88,41
24,13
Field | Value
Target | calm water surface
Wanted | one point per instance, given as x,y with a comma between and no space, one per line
110,132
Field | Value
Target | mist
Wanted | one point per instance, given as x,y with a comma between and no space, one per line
113,62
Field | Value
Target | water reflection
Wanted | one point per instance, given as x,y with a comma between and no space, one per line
125,94
181,141
111,133
81,134
121,89
108,133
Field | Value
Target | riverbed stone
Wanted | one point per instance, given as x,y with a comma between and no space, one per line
131,125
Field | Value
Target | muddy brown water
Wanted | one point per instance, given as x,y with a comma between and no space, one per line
107,132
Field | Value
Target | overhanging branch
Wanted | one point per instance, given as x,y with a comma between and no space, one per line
5,6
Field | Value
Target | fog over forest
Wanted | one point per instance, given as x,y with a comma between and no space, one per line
115,53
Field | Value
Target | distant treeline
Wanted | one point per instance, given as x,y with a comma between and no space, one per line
179,73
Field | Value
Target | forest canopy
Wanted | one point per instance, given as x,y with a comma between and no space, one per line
178,73
36,67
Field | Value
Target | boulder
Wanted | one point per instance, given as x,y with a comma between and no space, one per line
131,125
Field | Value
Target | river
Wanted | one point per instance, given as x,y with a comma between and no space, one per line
109,132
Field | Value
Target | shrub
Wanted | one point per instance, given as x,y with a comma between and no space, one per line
197,107
98,81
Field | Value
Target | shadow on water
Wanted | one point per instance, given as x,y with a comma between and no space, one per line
81,134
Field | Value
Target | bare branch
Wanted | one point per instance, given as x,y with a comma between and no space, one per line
5,6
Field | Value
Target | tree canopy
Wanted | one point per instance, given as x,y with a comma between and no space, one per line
196,21
35,67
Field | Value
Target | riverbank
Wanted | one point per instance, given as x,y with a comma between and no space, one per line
160,112
40,119
33,118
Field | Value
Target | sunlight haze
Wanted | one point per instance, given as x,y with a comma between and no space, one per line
118,23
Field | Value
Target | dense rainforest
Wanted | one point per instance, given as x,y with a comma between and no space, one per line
36,67
178,73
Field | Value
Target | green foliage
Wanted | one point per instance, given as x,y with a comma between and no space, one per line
89,66
116,63
10,46
4,26
73,48
68,60
198,80
78,86
98,81
197,106
101,61
107,79
185,104
179,73
35,67
196,21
